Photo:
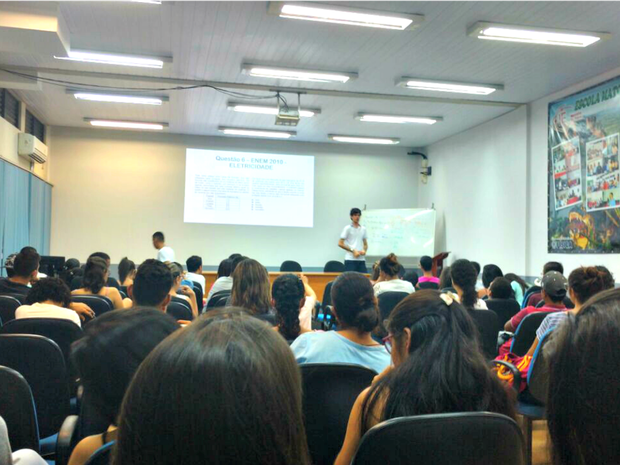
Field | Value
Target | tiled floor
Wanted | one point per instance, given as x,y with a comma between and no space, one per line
540,446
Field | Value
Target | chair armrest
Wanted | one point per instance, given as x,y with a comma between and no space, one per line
66,437
516,374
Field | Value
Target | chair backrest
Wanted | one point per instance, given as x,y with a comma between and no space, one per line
62,332
427,285
488,327
181,301
8,305
567,303
102,456
333,266
179,311
99,304
199,295
124,289
123,294
291,266
538,374
470,438
329,392
327,295
40,361
526,333
387,302
218,299
18,411
530,290
505,309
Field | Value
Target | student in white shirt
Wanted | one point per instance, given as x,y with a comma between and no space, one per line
464,281
164,253
354,240
388,277
194,271
48,298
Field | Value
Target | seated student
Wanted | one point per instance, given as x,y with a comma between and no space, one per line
445,280
95,277
70,270
48,298
356,313
289,300
250,290
519,286
113,347
412,277
23,273
583,283
554,289
76,283
464,282
194,271
126,272
182,291
489,273
536,297
584,381
224,279
438,367
427,281
500,289
9,264
152,284
227,377
376,272
388,277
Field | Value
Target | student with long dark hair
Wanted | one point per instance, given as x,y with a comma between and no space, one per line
357,314
438,367
224,279
96,275
389,281
251,412
250,290
126,271
583,412
113,347
445,280
288,298
464,281
489,273
519,286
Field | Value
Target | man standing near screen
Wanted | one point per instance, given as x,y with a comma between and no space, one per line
353,240
164,253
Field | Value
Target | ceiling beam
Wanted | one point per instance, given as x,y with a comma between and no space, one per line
257,87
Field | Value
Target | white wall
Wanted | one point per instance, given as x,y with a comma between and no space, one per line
478,188
113,189
537,253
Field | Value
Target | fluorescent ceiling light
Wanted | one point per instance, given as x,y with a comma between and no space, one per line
296,74
153,2
535,35
364,140
256,133
374,118
104,123
116,59
447,86
266,110
345,15
114,98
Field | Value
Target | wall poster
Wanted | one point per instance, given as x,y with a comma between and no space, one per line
584,175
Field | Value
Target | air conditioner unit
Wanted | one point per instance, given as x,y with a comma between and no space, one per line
32,148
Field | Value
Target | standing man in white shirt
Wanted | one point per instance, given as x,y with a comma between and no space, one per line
165,253
354,240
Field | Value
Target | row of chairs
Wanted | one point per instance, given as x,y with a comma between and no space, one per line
332,266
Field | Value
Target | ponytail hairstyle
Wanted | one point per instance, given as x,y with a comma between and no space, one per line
464,276
94,274
287,292
389,265
354,302
587,281
443,371
125,268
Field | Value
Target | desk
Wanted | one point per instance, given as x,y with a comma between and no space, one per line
317,281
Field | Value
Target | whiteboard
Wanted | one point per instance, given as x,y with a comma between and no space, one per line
407,232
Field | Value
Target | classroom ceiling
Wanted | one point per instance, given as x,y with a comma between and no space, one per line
210,41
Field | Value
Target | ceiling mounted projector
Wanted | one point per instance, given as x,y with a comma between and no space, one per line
288,116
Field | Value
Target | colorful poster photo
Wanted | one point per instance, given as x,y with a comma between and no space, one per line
602,174
567,174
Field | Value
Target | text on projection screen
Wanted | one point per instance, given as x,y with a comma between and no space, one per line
248,188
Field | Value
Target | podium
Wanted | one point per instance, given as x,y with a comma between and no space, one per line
438,263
